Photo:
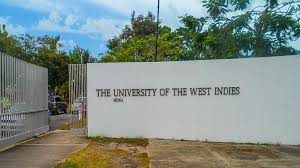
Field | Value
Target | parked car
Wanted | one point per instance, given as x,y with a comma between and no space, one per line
79,104
56,105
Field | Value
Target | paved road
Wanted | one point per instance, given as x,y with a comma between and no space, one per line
57,121
44,151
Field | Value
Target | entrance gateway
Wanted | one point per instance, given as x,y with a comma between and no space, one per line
237,100
78,98
23,100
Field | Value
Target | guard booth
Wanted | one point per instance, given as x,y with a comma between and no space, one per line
78,98
23,100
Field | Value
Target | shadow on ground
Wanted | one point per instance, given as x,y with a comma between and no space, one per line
43,152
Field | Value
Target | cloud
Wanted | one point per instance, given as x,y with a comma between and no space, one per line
11,28
44,6
107,27
93,27
48,25
57,23
170,10
55,17
63,16
72,44
68,43
71,20
77,17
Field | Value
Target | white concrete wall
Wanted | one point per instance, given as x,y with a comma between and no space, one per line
267,110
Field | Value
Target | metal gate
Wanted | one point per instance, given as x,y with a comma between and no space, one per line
78,97
23,100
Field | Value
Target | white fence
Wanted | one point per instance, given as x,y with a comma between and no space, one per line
237,100
23,100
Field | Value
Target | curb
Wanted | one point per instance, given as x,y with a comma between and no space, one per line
24,141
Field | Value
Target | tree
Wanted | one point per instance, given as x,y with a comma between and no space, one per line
192,36
262,31
140,26
44,51
137,42
8,43
48,56
75,56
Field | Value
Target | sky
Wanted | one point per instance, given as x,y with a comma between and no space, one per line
89,23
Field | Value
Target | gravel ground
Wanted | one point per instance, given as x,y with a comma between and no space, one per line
181,154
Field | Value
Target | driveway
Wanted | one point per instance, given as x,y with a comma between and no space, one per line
42,152
57,121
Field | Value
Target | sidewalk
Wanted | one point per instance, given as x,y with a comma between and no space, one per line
42,152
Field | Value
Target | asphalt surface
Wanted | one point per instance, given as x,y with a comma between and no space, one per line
57,121
44,151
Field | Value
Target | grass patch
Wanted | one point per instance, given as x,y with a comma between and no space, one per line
133,141
102,153
88,157
143,160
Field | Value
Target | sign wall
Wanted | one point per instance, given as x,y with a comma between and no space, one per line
236,100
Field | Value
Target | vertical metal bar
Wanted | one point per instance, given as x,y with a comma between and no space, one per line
78,92
85,95
78,89
9,95
84,91
72,93
1,93
69,89
4,94
157,32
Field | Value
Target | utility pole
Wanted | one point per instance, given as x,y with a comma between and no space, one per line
157,32
81,60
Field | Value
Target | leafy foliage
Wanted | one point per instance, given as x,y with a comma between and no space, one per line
232,29
137,42
262,31
44,51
